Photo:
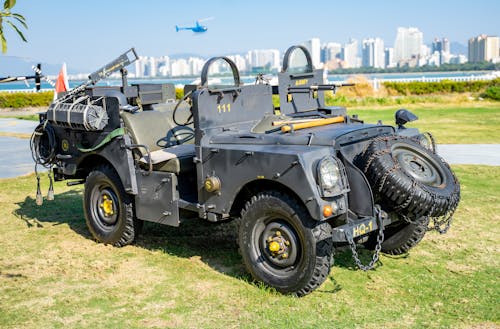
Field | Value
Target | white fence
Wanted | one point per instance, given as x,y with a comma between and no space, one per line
33,90
489,76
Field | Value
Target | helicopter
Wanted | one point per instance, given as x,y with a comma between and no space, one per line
198,28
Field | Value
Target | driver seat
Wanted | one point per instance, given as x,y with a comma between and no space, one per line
167,142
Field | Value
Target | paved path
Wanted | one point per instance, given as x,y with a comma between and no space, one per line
10,125
484,154
15,155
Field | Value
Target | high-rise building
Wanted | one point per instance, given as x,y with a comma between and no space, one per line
442,47
146,67
314,48
408,44
330,51
163,65
389,57
180,67
240,62
350,54
373,53
195,65
265,58
484,48
458,59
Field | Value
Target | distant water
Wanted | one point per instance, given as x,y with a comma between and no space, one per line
19,85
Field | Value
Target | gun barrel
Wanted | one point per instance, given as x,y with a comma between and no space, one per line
123,60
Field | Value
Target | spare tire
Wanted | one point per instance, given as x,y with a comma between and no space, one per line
408,178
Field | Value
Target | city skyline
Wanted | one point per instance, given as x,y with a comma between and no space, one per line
409,50
101,30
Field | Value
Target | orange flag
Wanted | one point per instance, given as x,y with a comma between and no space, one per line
62,84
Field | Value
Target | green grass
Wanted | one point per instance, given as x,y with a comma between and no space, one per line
454,124
29,117
53,275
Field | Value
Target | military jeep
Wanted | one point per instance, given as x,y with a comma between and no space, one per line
302,178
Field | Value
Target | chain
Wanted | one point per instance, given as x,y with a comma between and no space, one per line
374,156
384,178
433,142
407,201
378,247
443,223
376,139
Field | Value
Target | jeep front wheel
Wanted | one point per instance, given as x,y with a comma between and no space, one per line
282,245
108,208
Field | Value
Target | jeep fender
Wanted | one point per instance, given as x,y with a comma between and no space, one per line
292,168
119,157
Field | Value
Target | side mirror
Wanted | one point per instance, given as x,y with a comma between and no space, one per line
403,116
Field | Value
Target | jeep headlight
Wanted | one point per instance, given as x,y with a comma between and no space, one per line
328,174
427,140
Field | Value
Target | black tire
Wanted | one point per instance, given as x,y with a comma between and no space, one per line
109,210
408,178
401,236
303,261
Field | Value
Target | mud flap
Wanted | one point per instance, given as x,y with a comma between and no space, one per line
157,200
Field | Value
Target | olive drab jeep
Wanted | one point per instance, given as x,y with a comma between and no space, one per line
302,178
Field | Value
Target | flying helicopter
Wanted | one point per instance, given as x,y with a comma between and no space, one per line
198,28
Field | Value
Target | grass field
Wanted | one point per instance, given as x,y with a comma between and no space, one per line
450,124
53,275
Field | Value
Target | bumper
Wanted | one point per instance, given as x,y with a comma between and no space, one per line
359,227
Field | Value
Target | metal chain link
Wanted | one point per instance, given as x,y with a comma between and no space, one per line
442,223
384,178
407,201
378,247
374,156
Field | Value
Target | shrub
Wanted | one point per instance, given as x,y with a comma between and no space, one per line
20,100
492,92
442,87
179,93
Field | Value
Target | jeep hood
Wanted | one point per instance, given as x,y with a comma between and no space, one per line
329,135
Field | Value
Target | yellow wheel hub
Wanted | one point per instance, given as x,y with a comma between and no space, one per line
107,206
278,245
274,246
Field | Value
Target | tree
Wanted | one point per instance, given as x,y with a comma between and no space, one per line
7,17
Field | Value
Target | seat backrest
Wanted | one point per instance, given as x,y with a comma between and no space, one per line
155,129
238,108
298,72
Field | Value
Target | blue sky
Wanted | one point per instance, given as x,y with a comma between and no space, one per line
88,33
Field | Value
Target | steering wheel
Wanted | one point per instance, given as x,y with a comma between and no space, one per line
176,136
189,120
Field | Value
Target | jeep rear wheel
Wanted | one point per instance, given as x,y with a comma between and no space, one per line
401,236
108,208
282,245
